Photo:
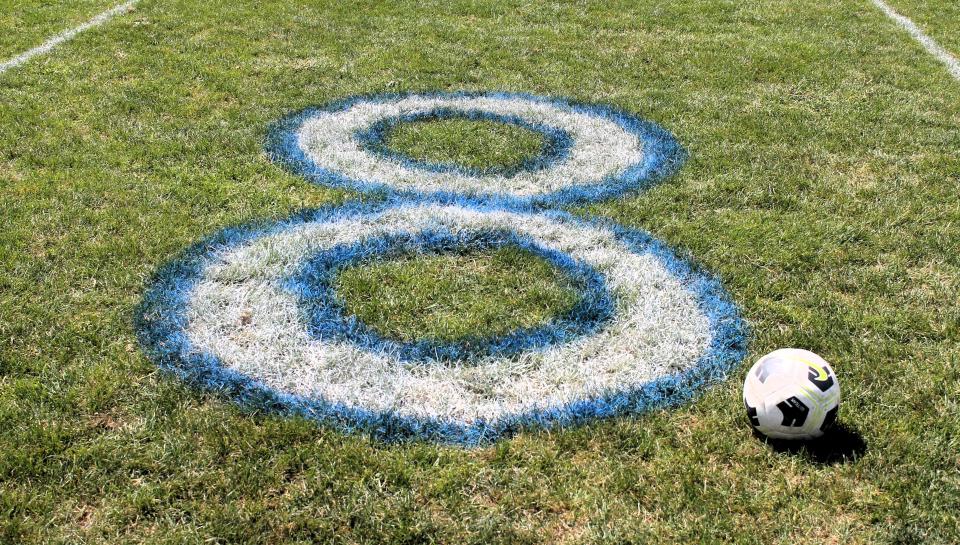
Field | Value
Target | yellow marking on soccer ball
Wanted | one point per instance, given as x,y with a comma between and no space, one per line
822,373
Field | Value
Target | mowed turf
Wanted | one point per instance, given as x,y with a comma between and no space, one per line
473,145
456,297
28,23
822,188
939,20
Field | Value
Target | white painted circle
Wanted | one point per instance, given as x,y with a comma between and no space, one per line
603,148
239,312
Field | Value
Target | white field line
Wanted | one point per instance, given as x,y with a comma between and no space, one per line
66,35
932,47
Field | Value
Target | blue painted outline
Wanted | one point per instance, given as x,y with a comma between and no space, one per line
554,148
662,154
329,320
160,321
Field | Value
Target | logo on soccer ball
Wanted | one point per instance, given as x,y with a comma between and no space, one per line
820,377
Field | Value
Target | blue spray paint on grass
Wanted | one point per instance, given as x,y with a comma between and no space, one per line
662,154
161,319
554,148
161,322
329,320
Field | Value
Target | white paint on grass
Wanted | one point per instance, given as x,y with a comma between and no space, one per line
601,147
658,328
932,47
66,35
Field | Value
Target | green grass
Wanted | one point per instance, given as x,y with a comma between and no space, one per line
473,144
452,297
822,188
939,20
28,23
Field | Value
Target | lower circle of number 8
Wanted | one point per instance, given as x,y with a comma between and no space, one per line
252,312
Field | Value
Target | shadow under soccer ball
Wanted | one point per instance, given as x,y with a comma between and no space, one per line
839,444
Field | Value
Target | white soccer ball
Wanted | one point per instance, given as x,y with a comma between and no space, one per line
791,394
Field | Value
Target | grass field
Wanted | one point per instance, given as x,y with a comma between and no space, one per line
822,188
938,19
27,23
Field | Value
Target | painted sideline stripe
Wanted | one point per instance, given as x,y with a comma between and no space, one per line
932,47
66,35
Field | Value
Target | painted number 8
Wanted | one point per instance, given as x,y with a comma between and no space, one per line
251,312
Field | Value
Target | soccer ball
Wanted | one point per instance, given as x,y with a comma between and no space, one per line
791,394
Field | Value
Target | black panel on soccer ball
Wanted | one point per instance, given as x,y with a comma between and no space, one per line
794,412
752,415
823,384
830,419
